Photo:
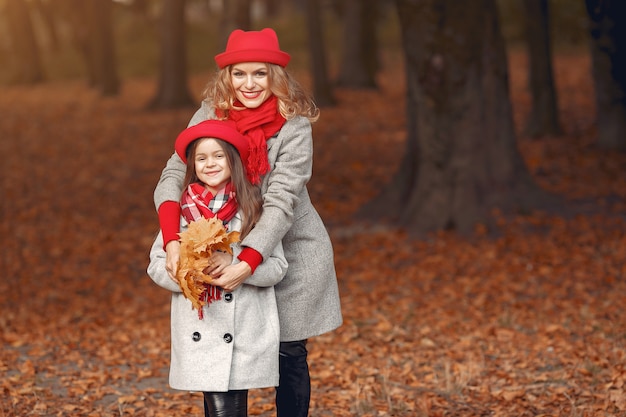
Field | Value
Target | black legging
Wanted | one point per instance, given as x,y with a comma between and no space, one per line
226,404
293,393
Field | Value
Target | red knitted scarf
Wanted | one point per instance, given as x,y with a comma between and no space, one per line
258,125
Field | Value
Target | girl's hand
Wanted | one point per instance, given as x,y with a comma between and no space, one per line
217,263
233,276
172,254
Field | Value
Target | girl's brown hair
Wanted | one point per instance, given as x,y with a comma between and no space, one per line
248,196
293,100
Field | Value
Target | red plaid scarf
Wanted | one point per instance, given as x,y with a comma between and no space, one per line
198,202
258,124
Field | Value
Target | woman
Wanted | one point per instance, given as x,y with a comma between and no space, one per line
253,89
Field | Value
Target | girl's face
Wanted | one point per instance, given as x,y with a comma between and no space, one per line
251,83
211,164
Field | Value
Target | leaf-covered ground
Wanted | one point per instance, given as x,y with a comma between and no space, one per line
528,323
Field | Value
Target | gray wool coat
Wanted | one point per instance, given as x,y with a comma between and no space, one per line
235,345
308,296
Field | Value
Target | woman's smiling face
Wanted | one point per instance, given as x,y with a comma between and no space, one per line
251,83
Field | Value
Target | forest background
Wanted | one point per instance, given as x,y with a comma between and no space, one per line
525,321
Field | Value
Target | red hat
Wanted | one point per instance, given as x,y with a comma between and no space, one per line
214,129
252,46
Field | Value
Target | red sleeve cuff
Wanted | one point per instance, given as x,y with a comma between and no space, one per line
251,257
169,220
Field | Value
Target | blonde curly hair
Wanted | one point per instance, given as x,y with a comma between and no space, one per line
293,100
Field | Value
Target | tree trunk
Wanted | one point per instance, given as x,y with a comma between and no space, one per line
359,55
103,47
322,90
607,20
272,8
77,13
172,91
543,119
461,160
24,44
235,15
46,11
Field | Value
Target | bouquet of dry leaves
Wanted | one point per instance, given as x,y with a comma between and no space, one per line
197,243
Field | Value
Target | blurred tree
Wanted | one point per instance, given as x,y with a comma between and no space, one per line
172,90
102,46
322,90
76,14
46,11
607,20
272,8
24,44
544,115
359,52
141,8
91,29
235,15
461,158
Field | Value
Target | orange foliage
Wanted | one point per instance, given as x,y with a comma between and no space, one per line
197,243
528,323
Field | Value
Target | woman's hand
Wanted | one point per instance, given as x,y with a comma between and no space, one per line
172,254
233,276
217,263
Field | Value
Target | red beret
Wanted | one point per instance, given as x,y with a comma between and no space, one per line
214,129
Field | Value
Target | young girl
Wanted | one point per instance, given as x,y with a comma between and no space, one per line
253,89
234,346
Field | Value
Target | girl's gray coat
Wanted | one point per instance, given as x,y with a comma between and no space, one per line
308,296
235,345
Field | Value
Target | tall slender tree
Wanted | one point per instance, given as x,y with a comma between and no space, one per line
76,14
607,27
235,15
172,90
544,115
322,89
46,12
29,69
91,30
273,8
359,53
461,158
102,47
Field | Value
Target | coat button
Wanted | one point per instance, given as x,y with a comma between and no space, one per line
195,336
228,297
228,338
